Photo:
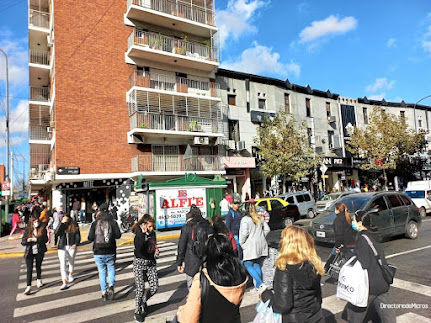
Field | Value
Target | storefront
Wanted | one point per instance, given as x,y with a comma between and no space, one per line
340,174
238,175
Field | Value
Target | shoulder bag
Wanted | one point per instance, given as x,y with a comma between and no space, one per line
353,284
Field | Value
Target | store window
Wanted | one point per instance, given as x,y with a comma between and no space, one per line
308,107
262,104
231,99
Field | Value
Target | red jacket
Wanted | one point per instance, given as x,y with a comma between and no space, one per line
16,218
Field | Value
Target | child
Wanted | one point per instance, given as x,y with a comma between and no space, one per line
144,264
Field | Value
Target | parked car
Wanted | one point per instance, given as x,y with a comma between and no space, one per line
260,210
392,213
326,201
303,200
420,193
281,213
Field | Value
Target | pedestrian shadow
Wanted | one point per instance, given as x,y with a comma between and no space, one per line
329,316
125,291
177,297
166,271
123,265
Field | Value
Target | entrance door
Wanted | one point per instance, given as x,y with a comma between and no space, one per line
383,220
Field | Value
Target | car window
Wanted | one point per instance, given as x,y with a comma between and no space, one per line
353,203
416,194
307,197
276,205
300,198
379,204
290,199
395,200
263,204
405,200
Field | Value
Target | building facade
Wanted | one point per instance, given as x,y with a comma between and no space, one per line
121,89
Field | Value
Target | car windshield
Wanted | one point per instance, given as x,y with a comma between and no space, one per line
330,197
353,203
416,194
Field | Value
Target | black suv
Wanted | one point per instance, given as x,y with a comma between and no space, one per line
393,213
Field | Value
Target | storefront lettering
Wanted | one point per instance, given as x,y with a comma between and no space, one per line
88,184
183,202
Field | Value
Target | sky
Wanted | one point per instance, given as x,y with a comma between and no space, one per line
378,49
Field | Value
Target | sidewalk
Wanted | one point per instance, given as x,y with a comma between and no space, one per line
14,249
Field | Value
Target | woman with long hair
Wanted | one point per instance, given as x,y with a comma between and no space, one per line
225,280
297,294
220,227
144,264
252,239
34,239
69,239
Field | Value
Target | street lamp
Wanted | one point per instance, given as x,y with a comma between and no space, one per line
414,110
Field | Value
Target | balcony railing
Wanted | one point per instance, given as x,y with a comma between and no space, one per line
173,83
148,120
175,163
40,94
39,19
39,57
40,133
178,8
38,172
173,45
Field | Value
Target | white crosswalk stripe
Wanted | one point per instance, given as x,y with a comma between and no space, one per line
50,304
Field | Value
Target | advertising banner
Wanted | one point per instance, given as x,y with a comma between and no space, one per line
172,205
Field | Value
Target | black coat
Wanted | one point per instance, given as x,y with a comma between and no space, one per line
297,294
378,284
116,234
145,244
41,242
67,239
344,233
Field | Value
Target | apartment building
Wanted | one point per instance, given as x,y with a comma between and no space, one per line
121,89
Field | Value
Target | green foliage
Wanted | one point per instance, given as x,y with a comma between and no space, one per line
284,148
143,126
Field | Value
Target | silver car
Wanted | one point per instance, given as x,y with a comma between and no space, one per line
326,201
303,200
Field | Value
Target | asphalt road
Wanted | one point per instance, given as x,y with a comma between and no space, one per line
81,302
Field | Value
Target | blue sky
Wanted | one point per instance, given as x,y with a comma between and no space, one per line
378,49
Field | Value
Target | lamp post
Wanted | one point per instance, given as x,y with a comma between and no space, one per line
414,110
7,136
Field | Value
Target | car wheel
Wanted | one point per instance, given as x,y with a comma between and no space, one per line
422,212
287,222
412,230
310,214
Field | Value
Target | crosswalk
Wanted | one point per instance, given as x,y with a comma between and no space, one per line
82,302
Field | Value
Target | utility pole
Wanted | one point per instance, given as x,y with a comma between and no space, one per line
11,176
7,136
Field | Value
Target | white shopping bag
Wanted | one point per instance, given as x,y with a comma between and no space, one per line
265,314
353,283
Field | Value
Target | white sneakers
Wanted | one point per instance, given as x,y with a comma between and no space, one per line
27,290
70,278
39,283
63,287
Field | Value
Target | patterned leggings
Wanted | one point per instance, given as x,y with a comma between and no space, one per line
142,268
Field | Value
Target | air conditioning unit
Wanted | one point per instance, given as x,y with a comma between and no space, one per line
201,141
52,124
240,145
50,41
332,119
49,129
231,144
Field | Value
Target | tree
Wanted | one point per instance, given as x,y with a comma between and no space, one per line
284,148
385,143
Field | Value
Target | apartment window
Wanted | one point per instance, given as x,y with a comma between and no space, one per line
365,112
286,103
231,99
310,135
331,139
308,107
420,123
403,116
328,109
234,130
262,103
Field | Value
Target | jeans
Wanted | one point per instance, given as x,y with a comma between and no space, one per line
106,267
82,216
253,267
238,247
29,263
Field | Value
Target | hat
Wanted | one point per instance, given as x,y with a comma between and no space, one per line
103,207
236,202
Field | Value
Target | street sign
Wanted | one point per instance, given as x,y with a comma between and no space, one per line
323,168
5,193
5,186
68,170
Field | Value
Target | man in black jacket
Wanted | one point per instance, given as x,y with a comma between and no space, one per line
103,232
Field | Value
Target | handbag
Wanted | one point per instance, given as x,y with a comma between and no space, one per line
388,271
265,314
353,284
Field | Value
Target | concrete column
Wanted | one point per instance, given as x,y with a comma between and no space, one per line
57,198
246,187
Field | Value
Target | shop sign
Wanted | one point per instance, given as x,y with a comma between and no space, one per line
304,179
337,162
68,170
356,162
327,161
172,205
239,162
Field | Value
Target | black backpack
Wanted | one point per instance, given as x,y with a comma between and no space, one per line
200,232
103,234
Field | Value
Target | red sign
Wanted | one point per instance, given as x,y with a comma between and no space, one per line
5,186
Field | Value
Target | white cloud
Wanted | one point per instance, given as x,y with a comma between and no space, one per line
391,43
235,20
329,26
426,45
18,119
17,53
377,97
380,84
262,60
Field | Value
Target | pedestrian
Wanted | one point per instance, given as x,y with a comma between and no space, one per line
144,264
297,294
16,220
188,261
69,239
233,221
26,212
247,197
34,239
82,213
93,210
224,207
55,223
104,231
378,287
253,242
224,280
220,227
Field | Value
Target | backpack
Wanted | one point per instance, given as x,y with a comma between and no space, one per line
103,234
200,232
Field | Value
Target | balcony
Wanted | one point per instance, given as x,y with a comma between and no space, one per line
38,19
177,52
40,133
176,163
39,172
183,16
39,57
39,94
173,84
